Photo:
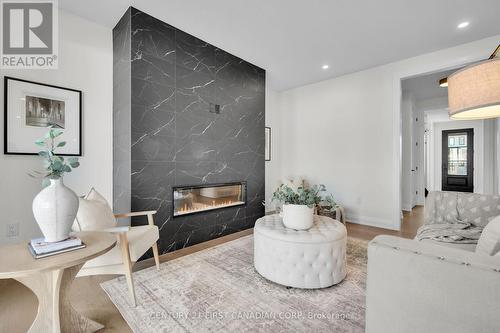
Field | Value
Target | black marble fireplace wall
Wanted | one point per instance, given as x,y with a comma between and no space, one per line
185,113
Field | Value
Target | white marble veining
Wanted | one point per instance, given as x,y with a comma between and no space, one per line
171,137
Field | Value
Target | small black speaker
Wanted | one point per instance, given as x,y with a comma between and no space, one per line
214,108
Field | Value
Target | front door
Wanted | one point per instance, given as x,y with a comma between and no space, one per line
458,158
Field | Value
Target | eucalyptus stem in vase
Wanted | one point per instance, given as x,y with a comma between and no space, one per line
55,166
55,207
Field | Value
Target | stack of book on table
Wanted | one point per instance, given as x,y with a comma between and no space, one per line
39,248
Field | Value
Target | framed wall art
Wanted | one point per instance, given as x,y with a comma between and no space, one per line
31,107
267,152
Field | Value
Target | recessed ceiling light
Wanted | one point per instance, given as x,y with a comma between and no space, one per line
463,25
325,66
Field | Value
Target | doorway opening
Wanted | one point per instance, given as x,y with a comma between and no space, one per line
458,160
439,153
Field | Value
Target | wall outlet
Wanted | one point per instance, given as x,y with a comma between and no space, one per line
12,230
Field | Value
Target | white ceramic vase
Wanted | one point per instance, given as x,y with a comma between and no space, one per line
299,217
55,209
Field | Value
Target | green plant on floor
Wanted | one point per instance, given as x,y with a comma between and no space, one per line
55,166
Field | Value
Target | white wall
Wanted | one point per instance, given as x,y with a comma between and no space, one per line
345,132
497,156
490,161
431,104
333,132
85,63
407,110
418,158
431,117
412,153
273,167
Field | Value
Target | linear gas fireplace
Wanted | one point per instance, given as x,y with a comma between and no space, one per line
201,198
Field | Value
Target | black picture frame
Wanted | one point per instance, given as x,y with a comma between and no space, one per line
268,137
7,79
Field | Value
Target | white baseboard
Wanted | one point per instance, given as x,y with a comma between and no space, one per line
372,221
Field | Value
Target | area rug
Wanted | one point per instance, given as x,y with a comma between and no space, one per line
218,290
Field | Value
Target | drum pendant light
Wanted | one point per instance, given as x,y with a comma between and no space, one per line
474,91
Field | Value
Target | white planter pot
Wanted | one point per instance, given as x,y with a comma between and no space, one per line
299,217
55,209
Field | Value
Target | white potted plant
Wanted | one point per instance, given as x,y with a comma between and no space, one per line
55,207
298,205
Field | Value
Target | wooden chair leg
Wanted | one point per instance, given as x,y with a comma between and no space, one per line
156,255
155,246
127,263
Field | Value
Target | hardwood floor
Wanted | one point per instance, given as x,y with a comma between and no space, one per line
411,222
18,305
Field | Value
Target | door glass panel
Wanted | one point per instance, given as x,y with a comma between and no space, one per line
457,154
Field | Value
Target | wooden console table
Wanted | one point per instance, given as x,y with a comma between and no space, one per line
50,279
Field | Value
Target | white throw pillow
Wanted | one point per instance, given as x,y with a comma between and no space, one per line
489,241
94,213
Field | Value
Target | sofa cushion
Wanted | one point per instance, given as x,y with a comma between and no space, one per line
94,213
489,242
477,209
441,207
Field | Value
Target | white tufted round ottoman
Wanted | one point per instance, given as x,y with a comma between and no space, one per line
314,258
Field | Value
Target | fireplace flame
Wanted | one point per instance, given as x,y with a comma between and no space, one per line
190,200
195,207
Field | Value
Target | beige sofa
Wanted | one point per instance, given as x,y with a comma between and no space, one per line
430,286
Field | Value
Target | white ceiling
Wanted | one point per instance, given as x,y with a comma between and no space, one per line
292,39
426,86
